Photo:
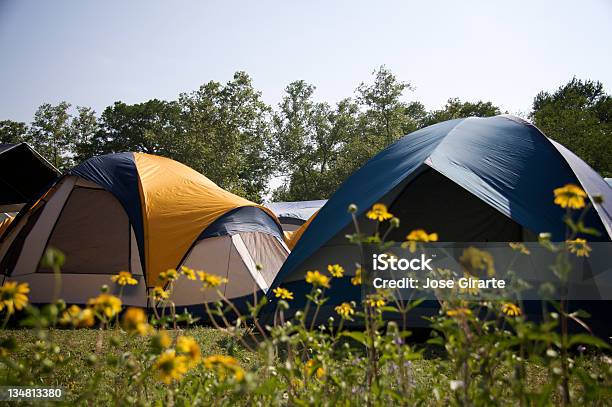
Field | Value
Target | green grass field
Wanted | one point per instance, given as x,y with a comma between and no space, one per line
77,346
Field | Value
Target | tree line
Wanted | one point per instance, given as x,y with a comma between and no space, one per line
228,133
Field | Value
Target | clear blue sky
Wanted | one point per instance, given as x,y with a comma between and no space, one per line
93,53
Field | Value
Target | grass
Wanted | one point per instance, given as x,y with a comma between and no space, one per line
77,346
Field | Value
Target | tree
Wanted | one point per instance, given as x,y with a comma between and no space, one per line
51,136
578,115
227,136
386,117
13,132
308,138
456,109
84,128
149,127
318,146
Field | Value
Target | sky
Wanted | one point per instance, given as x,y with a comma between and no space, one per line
93,53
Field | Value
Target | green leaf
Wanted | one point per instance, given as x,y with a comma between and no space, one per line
587,339
358,336
415,303
436,341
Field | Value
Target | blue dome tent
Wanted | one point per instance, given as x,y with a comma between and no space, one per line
469,180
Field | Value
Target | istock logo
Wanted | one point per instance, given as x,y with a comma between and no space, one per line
382,262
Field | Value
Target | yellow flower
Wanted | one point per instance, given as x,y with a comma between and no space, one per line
297,383
170,367
106,304
459,312
357,279
135,321
168,275
189,273
124,278
418,235
309,367
475,261
472,288
160,294
70,315
77,317
335,270
579,246
161,340
283,293
511,309
375,301
317,279
519,247
570,196
187,346
224,366
13,296
86,318
211,280
379,213
345,310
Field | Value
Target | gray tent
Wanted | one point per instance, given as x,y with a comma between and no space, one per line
294,214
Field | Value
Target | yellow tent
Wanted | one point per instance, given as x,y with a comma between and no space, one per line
145,214
295,236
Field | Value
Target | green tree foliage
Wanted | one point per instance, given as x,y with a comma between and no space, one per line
59,136
13,132
51,135
385,117
578,115
144,127
309,137
227,135
318,146
84,127
456,109
226,131
220,130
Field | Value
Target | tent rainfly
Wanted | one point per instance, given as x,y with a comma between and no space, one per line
469,180
145,214
24,174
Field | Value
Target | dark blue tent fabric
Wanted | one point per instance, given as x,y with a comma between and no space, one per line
512,166
24,174
364,188
244,219
592,183
503,160
117,173
301,210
